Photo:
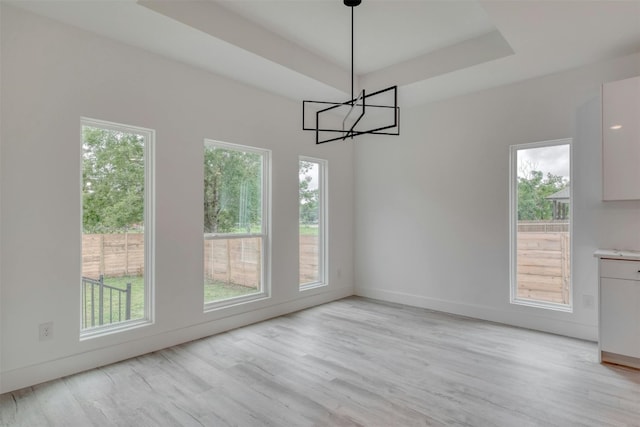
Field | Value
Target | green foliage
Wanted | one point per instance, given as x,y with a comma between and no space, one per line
532,192
309,198
232,191
112,181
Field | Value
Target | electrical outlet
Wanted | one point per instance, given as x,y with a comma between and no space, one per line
46,331
588,301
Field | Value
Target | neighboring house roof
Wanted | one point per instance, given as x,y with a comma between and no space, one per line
560,195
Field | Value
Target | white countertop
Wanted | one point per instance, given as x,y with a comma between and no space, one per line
617,254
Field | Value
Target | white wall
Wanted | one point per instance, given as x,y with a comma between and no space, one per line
53,74
1,314
432,205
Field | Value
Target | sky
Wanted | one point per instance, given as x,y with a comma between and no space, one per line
554,160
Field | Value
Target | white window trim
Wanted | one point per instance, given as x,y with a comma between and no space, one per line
322,224
149,229
265,269
513,226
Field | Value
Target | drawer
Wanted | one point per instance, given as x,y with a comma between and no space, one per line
620,269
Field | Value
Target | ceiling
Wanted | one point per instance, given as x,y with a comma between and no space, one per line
300,49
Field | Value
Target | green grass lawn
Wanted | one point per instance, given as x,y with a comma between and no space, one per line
216,290
213,291
308,230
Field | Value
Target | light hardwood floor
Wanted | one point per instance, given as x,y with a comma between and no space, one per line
353,362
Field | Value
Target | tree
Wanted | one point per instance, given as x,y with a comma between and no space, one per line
232,190
112,180
308,197
533,189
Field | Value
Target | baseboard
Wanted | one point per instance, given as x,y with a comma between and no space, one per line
508,317
50,370
619,359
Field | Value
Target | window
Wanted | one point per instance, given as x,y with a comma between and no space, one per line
312,226
236,182
540,224
117,226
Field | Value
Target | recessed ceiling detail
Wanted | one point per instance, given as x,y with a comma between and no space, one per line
402,29
408,41
431,49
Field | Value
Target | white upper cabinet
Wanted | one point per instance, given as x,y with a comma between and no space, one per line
621,139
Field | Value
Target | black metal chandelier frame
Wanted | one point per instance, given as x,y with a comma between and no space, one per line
358,105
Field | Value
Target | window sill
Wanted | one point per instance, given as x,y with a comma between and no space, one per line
567,308
105,330
313,285
233,302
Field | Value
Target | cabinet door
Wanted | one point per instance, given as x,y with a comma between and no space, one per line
620,316
621,139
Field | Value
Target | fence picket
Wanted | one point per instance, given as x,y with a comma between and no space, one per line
543,271
112,254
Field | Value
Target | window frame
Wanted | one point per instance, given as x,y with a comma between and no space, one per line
149,227
513,226
265,200
323,166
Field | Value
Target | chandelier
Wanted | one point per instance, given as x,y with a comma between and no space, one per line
375,113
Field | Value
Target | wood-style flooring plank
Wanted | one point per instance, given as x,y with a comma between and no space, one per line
353,362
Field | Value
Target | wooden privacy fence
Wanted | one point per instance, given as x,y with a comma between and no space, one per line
236,261
543,226
112,254
309,272
543,266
